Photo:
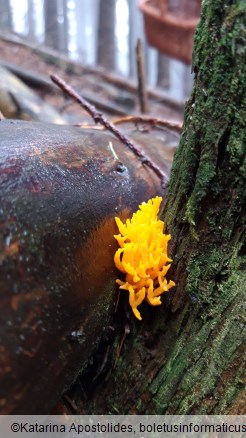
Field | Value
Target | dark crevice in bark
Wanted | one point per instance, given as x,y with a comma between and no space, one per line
222,148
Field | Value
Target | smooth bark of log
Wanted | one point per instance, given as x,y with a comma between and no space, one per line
187,357
61,188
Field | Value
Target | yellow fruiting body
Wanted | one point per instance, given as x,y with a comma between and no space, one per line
142,255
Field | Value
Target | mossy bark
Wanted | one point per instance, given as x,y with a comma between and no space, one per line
186,357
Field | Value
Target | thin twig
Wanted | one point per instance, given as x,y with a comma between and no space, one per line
120,345
142,90
99,118
173,126
71,403
89,126
103,364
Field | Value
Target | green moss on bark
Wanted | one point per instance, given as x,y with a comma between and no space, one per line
206,349
206,212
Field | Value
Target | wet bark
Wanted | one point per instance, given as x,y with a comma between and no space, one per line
60,191
187,356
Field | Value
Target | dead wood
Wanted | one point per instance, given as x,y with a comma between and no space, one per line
142,90
60,190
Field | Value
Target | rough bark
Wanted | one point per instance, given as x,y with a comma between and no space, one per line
187,356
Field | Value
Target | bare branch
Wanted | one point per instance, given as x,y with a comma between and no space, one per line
172,126
99,118
142,91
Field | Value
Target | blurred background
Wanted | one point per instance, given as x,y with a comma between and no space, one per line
97,33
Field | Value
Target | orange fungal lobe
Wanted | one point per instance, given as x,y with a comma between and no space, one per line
142,256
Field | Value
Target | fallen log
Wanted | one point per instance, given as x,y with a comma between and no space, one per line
60,188
17,101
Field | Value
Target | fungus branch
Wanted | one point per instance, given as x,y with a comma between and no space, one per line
99,118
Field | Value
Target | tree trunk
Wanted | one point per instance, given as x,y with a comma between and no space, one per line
51,24
5,14
135,29
31,20
106,37
186,356
63,26
163,71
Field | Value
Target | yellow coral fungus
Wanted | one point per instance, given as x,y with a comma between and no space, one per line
142,255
